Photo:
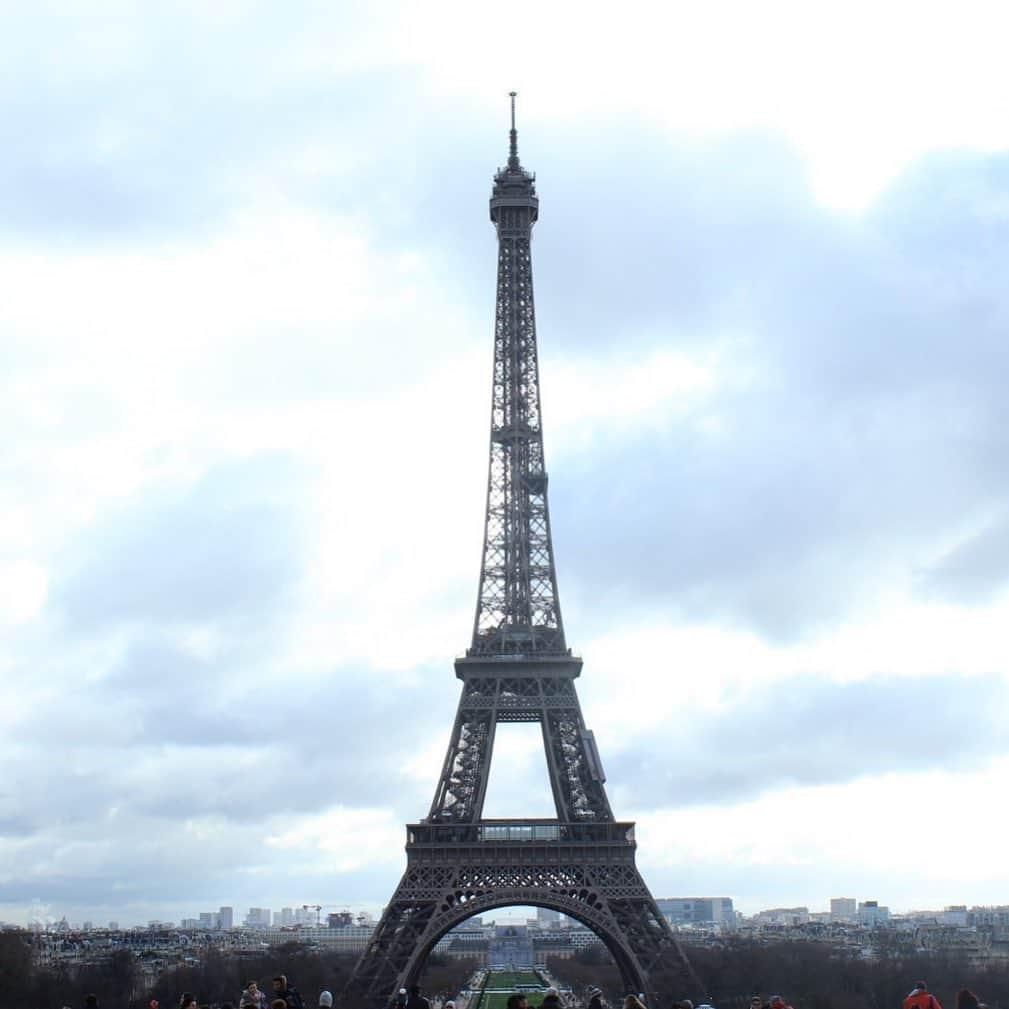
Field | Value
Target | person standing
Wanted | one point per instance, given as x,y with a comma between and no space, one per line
287,993
252,996
921,998
551,1000
416,1000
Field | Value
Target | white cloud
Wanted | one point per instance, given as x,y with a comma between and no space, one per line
23,586
340,839
246,327
896,831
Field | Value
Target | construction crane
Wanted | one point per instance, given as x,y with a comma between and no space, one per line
313,907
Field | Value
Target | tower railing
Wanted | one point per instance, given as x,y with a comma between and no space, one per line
518,832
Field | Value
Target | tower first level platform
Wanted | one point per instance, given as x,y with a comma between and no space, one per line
584,870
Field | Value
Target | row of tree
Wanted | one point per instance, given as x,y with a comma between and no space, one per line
809,975
120,982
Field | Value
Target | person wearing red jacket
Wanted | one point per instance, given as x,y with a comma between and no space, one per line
921,998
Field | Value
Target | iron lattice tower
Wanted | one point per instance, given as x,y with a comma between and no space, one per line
518,669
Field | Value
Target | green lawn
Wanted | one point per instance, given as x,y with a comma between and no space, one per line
511,979
502,983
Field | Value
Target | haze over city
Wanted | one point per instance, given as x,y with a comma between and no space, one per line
247,335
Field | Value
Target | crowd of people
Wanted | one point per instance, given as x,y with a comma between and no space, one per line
284,995
918,998
921,998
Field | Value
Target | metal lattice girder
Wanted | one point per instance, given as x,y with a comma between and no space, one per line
596,883
518,611
518,670
518,690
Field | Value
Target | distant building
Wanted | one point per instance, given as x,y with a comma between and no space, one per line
511,946
209,921
955,914
783,916
843,909
258,917
226,917
694,911
342,940
871,913
466,941
545,917
563,940
997,915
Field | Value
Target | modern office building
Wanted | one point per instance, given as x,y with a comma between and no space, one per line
871,913
258,917
843,909
697,911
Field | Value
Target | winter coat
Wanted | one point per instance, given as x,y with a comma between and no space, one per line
292,997
921,1000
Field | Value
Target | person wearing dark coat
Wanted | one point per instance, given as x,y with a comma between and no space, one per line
416,1000
282,991
551,1000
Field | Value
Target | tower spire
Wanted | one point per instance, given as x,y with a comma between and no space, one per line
513,144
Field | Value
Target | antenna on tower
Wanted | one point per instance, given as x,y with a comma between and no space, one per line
513,149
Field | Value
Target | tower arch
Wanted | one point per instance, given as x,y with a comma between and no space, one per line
579,910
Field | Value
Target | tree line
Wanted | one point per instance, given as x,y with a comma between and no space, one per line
809,975
120,982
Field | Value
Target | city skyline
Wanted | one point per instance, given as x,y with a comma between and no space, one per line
312,916
246,359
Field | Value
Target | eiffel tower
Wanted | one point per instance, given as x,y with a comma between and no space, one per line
518,669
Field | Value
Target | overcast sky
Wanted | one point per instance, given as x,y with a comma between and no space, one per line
246,317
